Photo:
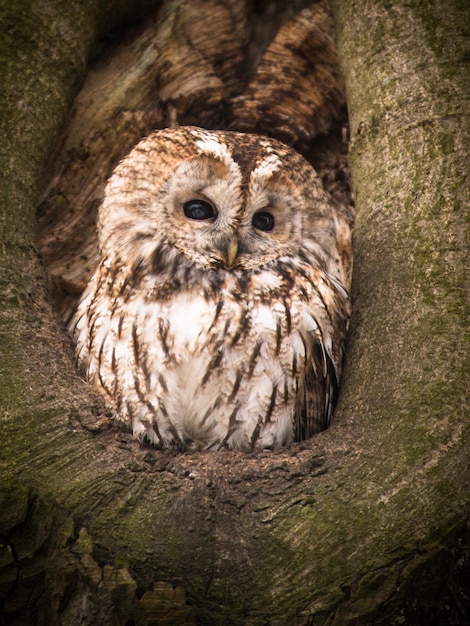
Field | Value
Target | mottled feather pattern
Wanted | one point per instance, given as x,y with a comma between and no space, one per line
224,331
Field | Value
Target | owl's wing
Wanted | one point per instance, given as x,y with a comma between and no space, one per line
317,397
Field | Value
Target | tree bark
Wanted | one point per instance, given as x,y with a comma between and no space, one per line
365,523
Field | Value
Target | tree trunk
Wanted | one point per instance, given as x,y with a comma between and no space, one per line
365,523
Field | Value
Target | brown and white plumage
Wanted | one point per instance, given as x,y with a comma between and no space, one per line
218,314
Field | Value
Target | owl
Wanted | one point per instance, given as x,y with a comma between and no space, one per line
218,314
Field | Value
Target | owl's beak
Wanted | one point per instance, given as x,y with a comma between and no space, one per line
232,251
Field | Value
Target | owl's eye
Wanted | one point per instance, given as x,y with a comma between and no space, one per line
263,221
199,210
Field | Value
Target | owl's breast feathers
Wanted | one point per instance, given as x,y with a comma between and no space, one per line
240,360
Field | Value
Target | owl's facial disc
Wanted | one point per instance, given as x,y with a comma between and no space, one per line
229,235
221,217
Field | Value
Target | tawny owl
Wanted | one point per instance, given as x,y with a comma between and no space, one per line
218,314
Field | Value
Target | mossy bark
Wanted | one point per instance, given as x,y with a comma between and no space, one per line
365,523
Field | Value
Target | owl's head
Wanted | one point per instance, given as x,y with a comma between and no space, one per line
220,201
